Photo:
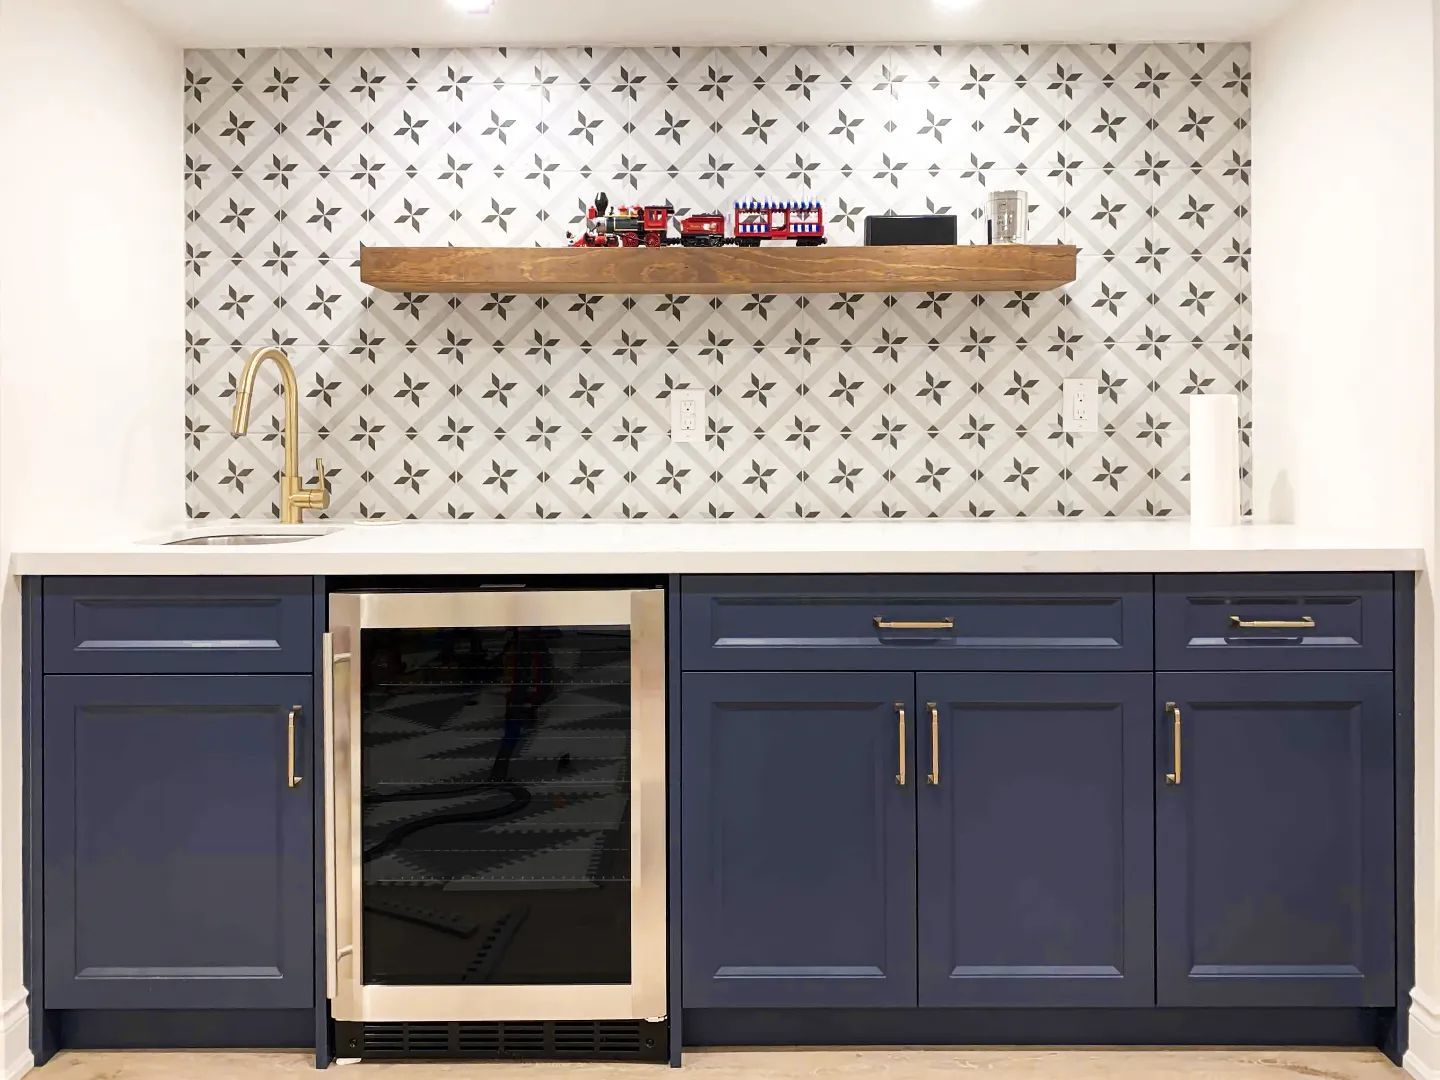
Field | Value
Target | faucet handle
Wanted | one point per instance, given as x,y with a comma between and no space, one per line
320,493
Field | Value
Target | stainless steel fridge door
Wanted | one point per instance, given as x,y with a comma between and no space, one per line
643,996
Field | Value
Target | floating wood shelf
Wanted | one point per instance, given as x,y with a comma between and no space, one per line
775,269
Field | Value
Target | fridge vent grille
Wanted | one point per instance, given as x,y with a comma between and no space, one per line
600,1040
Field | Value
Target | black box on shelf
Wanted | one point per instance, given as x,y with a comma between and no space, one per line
935,229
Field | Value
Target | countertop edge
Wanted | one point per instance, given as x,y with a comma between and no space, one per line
271,563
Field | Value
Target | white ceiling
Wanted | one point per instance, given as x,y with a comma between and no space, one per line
233,23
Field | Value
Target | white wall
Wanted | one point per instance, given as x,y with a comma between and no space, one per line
91,304
1344,207
91,317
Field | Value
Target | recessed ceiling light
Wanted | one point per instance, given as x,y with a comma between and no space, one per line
957,5
472,7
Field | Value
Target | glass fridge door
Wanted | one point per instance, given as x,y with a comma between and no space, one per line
495,805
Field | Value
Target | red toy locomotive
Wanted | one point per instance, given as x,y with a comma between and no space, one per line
756,220
628,226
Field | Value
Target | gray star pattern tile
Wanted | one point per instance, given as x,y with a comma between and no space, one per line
931,405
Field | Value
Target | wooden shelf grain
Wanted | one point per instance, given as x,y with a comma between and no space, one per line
680,270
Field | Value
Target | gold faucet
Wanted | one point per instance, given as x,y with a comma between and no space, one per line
295,498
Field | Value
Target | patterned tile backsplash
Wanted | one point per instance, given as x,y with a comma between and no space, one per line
827,406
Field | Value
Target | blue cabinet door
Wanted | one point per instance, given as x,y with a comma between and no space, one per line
1275,853
1035,840
178,857
798,878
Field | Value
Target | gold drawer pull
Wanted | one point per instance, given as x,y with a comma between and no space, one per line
1305,622
291,779
934,777
900,712
882,623
1174,711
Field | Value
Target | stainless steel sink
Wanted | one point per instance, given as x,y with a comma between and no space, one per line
236,541
241,538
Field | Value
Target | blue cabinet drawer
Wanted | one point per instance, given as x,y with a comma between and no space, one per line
178,625
1248,622
908,622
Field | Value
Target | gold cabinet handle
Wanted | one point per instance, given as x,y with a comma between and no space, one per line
291,779
882,623
1173,711
900,714
934,777
1305,622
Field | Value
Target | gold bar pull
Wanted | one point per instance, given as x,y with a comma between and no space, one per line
934,777
882,623
292,780
900,713
1174,711
1305,622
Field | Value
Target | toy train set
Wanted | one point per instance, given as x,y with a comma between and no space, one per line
799,221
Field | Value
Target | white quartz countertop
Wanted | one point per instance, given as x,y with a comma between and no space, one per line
766,547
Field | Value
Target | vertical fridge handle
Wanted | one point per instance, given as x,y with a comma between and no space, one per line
330,662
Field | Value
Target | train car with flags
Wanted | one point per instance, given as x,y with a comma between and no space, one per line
801,221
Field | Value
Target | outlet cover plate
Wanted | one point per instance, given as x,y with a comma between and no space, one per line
687,416
1080,406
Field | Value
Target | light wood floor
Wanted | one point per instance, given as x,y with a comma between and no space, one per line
1019,1064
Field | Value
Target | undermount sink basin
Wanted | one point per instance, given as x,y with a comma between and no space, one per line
235,541
258,537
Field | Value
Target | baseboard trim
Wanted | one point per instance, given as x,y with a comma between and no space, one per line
1137,1026
15,1038
1422,1057
184,1029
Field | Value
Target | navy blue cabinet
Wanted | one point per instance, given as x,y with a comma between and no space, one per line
909,622
1275,851
798,880
1035,840
180,625
1274,622
178,857
1036,856
840,845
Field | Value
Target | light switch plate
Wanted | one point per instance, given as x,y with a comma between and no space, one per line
687,416
1080,407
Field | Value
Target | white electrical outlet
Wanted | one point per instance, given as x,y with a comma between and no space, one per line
1080,407
687,416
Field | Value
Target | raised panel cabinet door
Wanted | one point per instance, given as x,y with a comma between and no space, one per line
1035,840
178,855
1275,851
798,879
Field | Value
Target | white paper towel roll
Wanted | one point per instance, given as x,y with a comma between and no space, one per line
1214,460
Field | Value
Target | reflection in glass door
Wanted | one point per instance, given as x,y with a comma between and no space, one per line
495,775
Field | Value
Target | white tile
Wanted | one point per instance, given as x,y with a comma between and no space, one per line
831,406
